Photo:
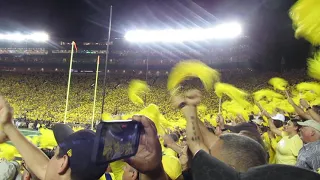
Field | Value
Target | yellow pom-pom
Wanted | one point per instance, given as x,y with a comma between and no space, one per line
46,139
136,89
229,90
266,93
305,15
235,108
278,83
7,151
315,102
309,86
309,96
286,106
189,69
232,92
314,65
153,113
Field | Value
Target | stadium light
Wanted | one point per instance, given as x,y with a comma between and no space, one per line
221,31
18,37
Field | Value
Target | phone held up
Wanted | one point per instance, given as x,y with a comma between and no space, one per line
116,140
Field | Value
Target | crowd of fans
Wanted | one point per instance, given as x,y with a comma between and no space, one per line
47,100
261,146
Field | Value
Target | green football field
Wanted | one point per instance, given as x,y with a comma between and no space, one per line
28,133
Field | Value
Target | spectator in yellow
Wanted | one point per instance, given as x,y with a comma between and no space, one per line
290,144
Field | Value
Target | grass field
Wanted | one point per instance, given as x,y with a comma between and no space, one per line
27,133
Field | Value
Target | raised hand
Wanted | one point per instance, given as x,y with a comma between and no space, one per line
6,114
149,155
167,140
193,97
289,98
304,103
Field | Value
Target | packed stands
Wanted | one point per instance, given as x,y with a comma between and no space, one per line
47,100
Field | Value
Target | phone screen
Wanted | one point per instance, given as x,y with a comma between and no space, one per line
116,140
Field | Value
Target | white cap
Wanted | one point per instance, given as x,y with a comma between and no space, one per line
279,117
311,123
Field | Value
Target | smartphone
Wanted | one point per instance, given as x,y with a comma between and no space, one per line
116,140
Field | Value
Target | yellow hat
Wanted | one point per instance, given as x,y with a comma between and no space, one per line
117,169
172,166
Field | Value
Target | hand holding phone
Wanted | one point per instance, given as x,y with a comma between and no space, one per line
116,140
149,155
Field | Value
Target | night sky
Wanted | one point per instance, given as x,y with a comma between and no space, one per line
265,21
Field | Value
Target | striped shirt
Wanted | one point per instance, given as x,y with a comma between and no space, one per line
309,156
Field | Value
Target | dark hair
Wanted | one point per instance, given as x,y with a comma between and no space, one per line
264,128
278,123
295,123
60,154
48,152
174,136
253,136
316,108
210,129
242,152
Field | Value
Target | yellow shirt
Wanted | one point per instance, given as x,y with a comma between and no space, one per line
288,149
271,146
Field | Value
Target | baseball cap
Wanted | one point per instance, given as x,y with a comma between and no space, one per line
78,146
279,117
206,167
311,123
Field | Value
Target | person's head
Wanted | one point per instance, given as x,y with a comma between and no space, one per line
239,152
252,136
129,173
278,120
309,131
72,157
278,123
292,126
316,108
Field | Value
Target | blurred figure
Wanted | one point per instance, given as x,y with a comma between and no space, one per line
9,170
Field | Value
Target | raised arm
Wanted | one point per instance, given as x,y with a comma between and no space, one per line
298,109
37,161
314,115
188,107
273,128
169,142
209,138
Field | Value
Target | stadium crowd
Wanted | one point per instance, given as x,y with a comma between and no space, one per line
198,145
47,102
